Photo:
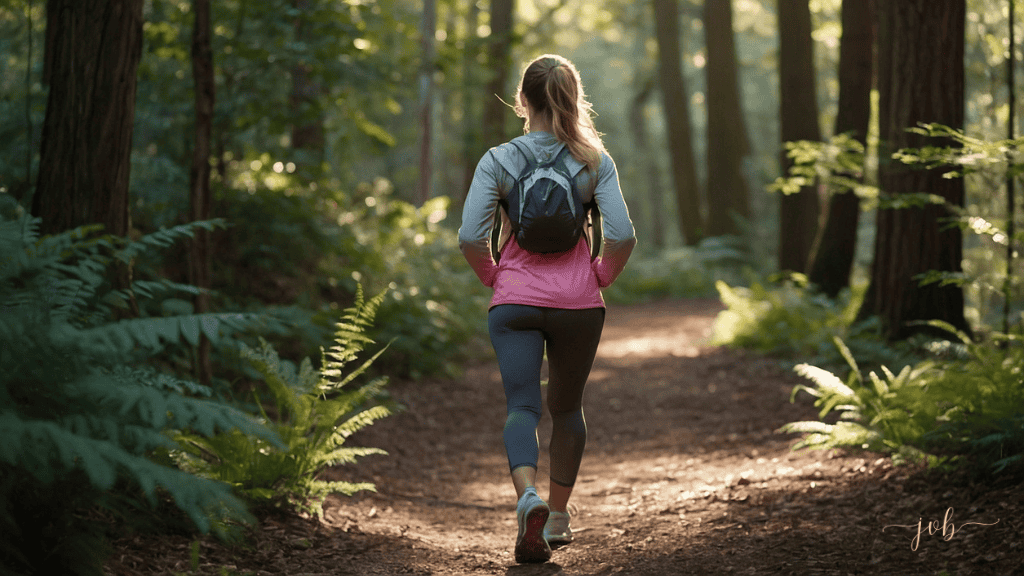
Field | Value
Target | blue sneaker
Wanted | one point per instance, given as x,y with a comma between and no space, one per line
532,513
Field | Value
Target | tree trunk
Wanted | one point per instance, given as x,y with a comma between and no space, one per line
92,55
499,59
833,259
676,102
727,193
199,257
471,117
308,130
799,213
651,208
921,79
427,31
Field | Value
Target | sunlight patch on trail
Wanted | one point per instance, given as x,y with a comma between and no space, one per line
650,346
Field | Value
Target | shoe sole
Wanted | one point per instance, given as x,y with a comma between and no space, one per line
531,546
559,542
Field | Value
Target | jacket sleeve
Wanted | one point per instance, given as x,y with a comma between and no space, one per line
489,179
618,231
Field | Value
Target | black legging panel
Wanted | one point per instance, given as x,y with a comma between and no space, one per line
519,335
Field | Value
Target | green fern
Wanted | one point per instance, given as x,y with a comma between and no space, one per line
787,319
80,410
315,413
982,388
887,413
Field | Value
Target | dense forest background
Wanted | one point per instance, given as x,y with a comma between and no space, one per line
256,167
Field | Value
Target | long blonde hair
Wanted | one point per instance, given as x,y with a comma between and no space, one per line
551,85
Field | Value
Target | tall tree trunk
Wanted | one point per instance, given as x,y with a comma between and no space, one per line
308,130
676,102
427,30
92,55
833,259
651,208
921,79
799,213
471,118
646,169
199,257
727,193
1011,181
499,60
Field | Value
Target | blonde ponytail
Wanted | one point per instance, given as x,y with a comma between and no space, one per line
552,86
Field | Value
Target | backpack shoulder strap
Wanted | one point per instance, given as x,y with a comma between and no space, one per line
531,159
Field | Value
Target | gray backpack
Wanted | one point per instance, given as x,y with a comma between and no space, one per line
546,211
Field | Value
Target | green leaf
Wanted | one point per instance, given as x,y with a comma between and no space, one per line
190,329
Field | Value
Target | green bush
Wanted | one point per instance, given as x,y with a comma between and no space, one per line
314,414
436,312
82,413
787,319
298,250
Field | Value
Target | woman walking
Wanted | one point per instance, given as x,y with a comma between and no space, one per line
546,301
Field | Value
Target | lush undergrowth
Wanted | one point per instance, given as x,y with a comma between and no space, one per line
100,427
683,272
297,250
949,401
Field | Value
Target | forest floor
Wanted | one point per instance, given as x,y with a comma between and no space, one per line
685,473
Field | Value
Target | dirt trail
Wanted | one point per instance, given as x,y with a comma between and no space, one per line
684,474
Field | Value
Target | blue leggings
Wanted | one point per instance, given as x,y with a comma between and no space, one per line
519,335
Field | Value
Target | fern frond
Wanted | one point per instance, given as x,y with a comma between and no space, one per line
347,455
881,387
122,337
332,370
844,351
40,448
825,380
166,238
346,488
807,426
266,361
361,420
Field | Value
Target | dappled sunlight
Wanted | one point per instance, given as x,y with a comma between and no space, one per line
649,347
652,331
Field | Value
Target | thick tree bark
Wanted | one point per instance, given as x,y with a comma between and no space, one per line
799,213
727,193
921,79
834,257
92,55
676,103
199,257
499,61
